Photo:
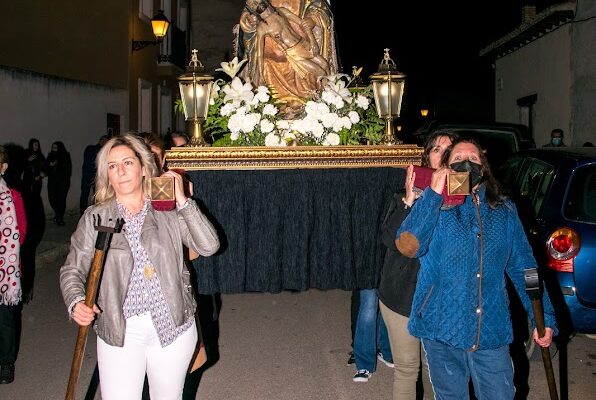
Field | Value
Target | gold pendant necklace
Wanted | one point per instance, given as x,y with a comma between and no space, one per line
148,271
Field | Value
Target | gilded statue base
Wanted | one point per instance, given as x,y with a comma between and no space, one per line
298,157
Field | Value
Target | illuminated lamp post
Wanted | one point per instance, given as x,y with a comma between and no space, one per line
388,88
195,89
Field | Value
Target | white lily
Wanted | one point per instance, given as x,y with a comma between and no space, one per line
238,91
214,92
339,88
231,68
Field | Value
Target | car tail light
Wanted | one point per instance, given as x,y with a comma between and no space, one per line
562,246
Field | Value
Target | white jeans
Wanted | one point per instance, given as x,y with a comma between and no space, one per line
122,369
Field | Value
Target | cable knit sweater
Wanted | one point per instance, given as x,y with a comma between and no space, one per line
461,298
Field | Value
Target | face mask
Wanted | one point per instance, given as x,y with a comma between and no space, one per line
556,141
474,169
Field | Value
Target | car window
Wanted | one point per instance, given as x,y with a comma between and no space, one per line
542,191
580,203
507,175
534,182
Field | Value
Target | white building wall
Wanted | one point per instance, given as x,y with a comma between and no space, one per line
541,67
52,109
583,70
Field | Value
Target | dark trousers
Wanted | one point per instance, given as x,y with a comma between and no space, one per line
57,192
354,308
10,332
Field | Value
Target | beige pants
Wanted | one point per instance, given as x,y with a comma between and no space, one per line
406,352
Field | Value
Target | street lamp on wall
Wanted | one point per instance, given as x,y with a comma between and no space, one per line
388,89
424,112
159,25
195,89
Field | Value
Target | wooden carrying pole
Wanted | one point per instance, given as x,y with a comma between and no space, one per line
102,244
533,290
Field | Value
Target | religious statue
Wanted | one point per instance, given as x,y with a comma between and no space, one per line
289,45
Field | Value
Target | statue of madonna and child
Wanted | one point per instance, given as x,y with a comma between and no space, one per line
290,46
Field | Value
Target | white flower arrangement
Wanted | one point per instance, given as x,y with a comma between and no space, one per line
241,115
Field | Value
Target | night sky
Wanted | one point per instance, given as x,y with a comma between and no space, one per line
436,44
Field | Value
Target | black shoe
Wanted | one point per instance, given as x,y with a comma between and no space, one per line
351,359
362,375
6,373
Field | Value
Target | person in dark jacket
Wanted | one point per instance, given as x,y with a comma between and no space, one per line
398,281
88,173
461,307
59,169
34,171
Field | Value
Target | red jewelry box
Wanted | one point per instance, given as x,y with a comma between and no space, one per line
162,193
422,180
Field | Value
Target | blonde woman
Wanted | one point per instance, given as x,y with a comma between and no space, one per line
144,313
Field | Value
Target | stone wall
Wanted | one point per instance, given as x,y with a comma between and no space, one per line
52,109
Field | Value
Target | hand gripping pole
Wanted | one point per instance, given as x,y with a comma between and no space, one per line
533,291
102,244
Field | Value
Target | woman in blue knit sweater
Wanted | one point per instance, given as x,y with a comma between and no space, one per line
460,308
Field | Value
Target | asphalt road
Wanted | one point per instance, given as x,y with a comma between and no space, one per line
271,346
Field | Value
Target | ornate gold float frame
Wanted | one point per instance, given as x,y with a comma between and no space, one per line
297,157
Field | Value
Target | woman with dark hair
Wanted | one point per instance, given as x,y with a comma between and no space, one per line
460,308
398,281
34,171
59,169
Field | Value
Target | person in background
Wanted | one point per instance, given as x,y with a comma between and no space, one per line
354,307
157,146
12,235
398,281
59,170
34,171
556,139
145,311
35,214
88,172
178,139
460,309
371,342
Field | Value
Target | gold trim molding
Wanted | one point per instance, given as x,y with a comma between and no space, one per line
296,157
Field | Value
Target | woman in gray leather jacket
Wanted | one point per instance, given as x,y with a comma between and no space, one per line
144,313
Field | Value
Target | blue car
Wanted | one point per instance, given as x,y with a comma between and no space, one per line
555,193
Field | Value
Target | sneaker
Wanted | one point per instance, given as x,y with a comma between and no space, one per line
362,375
351,359
6,373
386,362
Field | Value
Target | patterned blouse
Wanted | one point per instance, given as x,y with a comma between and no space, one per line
144,290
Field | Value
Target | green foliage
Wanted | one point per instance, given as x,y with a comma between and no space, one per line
216,125
179,106
370,128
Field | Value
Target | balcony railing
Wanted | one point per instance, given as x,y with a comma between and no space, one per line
173,49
